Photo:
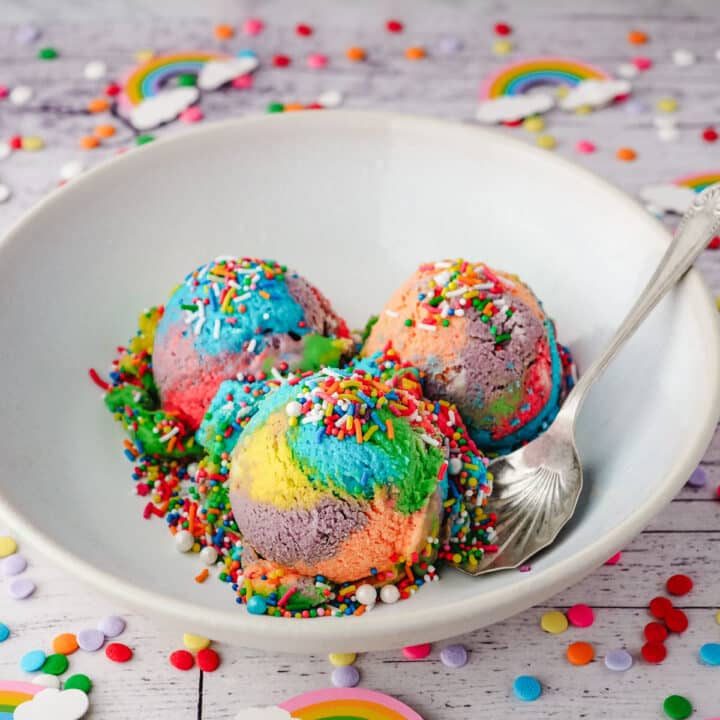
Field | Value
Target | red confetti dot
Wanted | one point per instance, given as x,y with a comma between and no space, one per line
654,652
113,89
655,632
281,61
709,134
642,63
208,660
502,28
679,585
676,620
512,123
417,652
394,26
714,244
660,607
118,652
15,142
304,30
182,660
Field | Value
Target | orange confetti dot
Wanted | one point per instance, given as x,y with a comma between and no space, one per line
415,53
104,131
224,32
626,154
294,107
89,142
98,105
637,37
580,653
355,54
65,644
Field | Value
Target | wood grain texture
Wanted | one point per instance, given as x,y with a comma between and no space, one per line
685,537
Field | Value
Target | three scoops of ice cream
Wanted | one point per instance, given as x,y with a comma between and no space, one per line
356,462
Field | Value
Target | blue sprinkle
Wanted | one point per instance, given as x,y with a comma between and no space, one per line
378,421
129,455
320,434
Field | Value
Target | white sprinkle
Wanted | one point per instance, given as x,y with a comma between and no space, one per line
21,95
627,71
429,440
243,297
244,411
331,99
5,193
169,434
427,326
95,70
198,325
216,329
442,265
276,373
5,150
71,169
460,312
391,313
455,465
684,58
251,345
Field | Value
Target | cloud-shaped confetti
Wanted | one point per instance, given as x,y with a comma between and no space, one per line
218,72
668,198
272,712
594,93
513,107
52,704
163,107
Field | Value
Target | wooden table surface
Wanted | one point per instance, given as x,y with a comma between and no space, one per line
684,538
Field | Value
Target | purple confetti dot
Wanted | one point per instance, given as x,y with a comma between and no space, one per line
636,107
13,565
21,588
525,568
27,34
111,626
345,677
91,639
698,478
454,656
618,660
450,45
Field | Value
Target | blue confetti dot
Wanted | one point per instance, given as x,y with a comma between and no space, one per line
32,661
710,653
257,605
4,632
527,688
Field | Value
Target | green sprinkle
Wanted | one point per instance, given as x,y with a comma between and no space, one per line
78,682
186,80
445,322
408,322
55,664
47,53
189,307
275,107
144,139
493,330
435,301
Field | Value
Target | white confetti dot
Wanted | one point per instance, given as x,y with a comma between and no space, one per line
627,71
71,169
331,99
45,680
208,555
717,54
389,594
668,134
684,58
21,94
95,70
664,121
4,193
5,150
293,408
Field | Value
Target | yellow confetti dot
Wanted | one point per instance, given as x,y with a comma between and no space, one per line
583,110
717,304
341,659
7,546
33,143
554,622
667,104
194,643
561,91
534,124
502,47
717,616
142,56
548,142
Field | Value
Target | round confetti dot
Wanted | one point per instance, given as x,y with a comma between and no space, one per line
13,565
660,607
333,99
208,660
355,54
191,115
182,660
389,594
21,95
618,660
316,61
534,124
88,142
415,53
677,707
527,688
454,656
142,56
118,652
5,193
627,71
45,680
417,652
27,34
642,63
698,479
104,131
32,661
502,47
554,622
186,80
32,143
667,104
95,70
21,588
676,620
111,626
65,644
194,643
8,546
654,652
547,142
5,150
112,89
48,53
4,632
710,654
394,26
256,605
78,682
625,154
580,653
637,37
97,105
281,61
303,30
90,639
502,28
450,44
144,139
684,58
224,32
679,585
668,134
55,664
342,659
655,632
345,677
581,616
709,135
253,26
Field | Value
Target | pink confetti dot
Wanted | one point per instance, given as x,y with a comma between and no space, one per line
581,616
243,82
317,61
417,652
4,91
192,115
614,560
585,147
642,63
253,26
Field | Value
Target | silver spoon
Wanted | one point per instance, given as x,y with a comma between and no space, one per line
536,488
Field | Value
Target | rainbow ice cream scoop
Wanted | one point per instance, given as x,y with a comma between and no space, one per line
240,316
349,475
484,342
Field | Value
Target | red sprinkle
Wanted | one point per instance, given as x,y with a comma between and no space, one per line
208,660
98,380
676,620
502,28
304,30
281,61
655,632
679,585
118,652
660,607
112,89
394,26
182,659
709,134
654,652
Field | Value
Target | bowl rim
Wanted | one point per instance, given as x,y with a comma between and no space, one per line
422,623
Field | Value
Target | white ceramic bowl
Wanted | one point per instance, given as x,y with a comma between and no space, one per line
354,201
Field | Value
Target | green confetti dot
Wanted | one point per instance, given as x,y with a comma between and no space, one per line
144,139
677,707
78,682
55,664
186,80
47,53
275,107
409,322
